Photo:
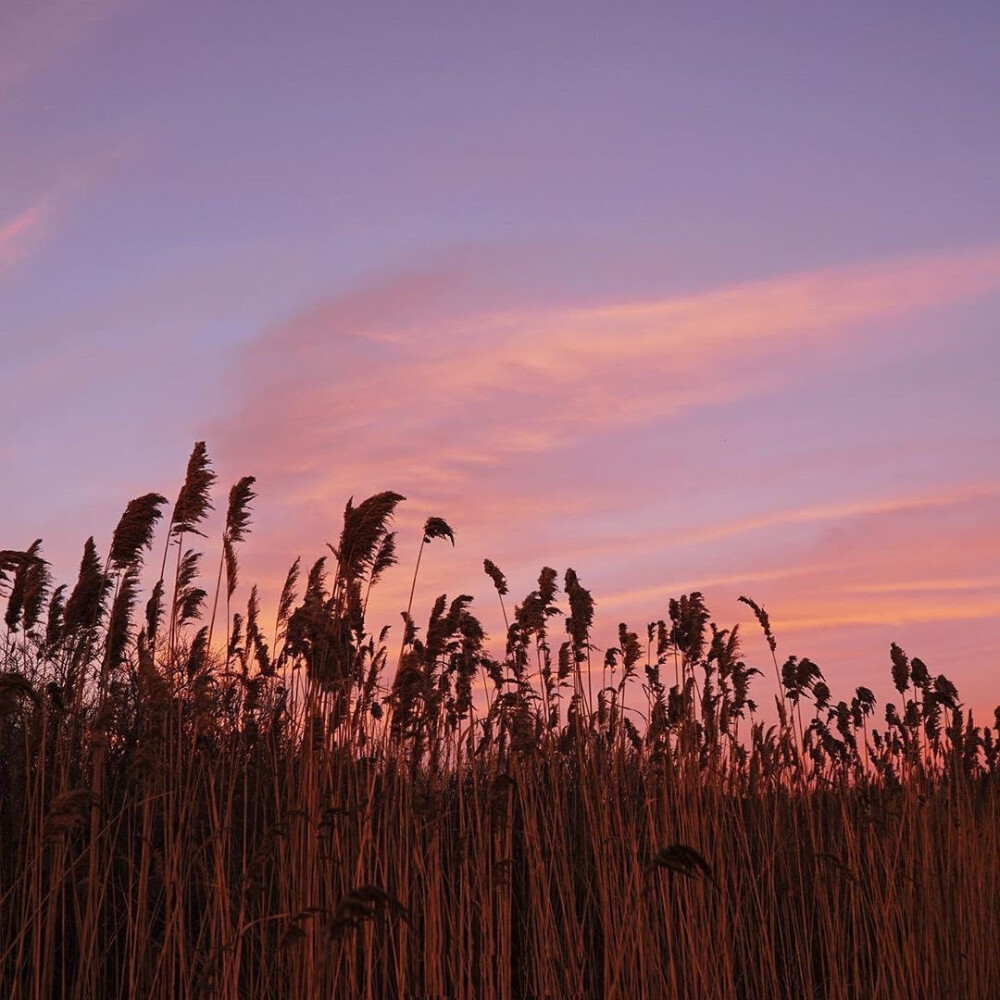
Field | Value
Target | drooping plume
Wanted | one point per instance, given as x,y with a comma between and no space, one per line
438,527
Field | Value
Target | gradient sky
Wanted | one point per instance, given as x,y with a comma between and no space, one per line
684,296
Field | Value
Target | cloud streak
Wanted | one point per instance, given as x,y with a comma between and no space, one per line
444,397
22,234
514,423
18,234
33,34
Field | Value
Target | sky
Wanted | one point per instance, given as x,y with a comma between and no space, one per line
685,296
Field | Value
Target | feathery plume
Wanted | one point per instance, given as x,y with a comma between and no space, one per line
288,594
154,612
493,572
385,557
241,495
434,527
86,602
120,619
188,599
581,610
198,653
900,668
28,586
9,561
765,622
232,566
365,526
135,530
194,501
688,618
54,619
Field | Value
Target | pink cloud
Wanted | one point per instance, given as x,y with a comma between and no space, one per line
33,34
392,377
861,566
472,415
783,517
22,234
917,570
18,234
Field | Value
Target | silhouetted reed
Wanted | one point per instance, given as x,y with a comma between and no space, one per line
273,815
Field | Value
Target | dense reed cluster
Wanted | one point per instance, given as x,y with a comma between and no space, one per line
194,803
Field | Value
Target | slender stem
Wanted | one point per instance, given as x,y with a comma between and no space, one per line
413,586
218,587
409,604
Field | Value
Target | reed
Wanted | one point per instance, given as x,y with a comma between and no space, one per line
277,815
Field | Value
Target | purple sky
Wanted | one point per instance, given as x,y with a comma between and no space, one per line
683,296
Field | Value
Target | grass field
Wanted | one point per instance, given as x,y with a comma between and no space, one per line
194,803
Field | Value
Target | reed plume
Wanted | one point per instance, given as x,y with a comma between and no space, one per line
194,499
134,532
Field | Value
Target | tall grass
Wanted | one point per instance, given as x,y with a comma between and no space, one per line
271,815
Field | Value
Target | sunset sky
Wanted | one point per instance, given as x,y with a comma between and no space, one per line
682,295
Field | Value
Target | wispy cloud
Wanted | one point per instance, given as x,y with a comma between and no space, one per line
18,234
784,517
33,34
917,570
23,233
504,421
937,585
904,565
357,386
863,558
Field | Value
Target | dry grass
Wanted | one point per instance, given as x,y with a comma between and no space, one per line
270,815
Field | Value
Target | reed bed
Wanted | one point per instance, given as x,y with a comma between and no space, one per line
196,804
